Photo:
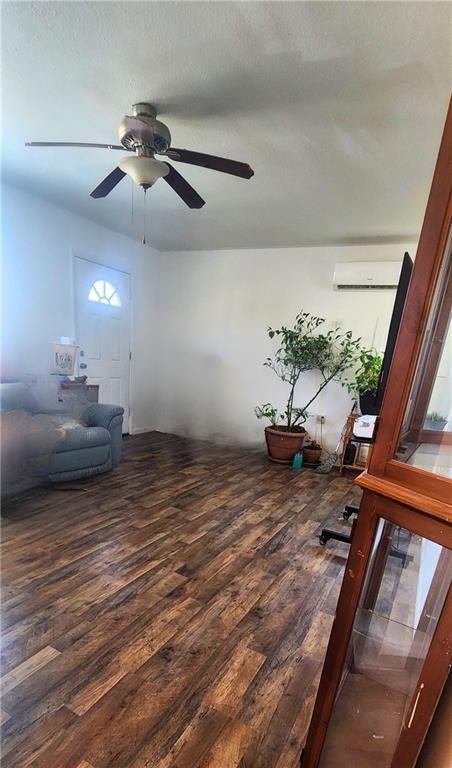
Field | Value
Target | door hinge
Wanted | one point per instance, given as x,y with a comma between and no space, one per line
130,355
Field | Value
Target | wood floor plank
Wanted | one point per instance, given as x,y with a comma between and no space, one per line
196,740
229,747
27,638
226,694
149,726
95,651
243,592
289,755
173,613
133,655
27,668
4,717
265,751
37,740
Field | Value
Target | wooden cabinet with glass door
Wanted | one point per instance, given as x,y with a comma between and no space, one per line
390,648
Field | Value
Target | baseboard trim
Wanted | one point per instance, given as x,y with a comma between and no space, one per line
141,430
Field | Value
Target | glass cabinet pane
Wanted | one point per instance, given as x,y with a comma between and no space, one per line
425,440
404,591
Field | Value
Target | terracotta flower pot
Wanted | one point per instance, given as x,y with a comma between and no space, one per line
311,455
283,445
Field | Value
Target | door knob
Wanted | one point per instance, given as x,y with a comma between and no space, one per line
83,365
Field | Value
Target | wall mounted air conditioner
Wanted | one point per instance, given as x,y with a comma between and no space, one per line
366,275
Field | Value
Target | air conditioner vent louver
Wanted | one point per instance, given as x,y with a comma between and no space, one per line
365,287
366,275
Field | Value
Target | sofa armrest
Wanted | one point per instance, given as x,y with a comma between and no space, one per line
98,415
109,417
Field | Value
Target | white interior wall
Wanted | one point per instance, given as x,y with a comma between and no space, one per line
441,399
39,241
199,319
212,311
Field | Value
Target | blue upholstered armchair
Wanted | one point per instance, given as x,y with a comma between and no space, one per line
40,444
89,447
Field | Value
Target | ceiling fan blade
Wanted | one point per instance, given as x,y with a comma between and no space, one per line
211,161
183,188
110,181
73,144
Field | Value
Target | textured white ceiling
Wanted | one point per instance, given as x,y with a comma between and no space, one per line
337,106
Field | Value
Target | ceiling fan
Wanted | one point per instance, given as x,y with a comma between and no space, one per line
144,136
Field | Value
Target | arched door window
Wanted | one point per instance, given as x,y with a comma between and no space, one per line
104,293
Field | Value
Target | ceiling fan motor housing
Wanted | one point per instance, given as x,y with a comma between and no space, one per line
143,131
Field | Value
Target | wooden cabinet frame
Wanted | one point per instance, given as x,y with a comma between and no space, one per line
399,493
432,244
373,508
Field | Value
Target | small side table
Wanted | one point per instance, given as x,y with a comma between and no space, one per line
348,439
79,390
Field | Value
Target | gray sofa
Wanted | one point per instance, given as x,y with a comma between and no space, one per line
55,444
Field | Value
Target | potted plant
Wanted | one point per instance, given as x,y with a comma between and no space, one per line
435,421
304,347
366,380
312,452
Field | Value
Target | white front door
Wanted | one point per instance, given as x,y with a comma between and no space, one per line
102,321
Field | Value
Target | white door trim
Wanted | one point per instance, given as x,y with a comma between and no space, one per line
77,255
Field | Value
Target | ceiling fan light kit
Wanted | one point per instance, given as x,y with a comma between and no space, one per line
143,170
145,136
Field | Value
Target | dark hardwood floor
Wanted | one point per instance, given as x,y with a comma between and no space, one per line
173,613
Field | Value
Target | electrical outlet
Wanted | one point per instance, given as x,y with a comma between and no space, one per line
320,418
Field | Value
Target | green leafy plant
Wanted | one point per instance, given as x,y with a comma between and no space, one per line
434,416
305,347
367,373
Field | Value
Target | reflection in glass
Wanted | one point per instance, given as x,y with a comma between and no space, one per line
426,435
405,588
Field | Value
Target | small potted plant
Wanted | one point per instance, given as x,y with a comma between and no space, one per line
311,453
302,348
435,421
366,379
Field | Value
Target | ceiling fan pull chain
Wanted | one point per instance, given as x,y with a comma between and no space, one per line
131,181
144,218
